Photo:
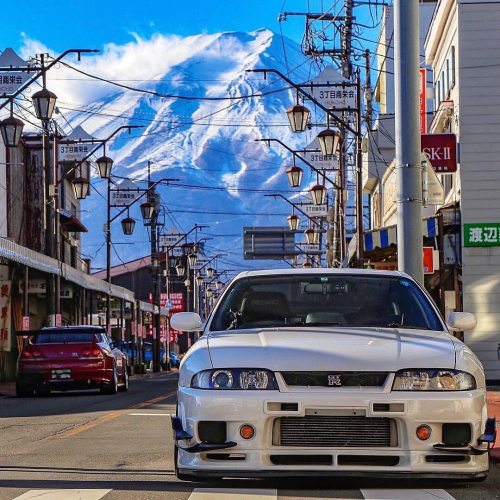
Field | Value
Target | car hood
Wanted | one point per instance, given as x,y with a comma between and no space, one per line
322,349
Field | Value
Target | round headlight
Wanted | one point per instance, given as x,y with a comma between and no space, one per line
222,379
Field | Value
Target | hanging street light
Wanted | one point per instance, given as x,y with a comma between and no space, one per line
81,188
312,236
128,225
328,141
293,222
199,280
104,165
11,129
192,259
180,269
294,175
147,210
307,265
218,284
210,271
318,194
187,282
298,116
44,102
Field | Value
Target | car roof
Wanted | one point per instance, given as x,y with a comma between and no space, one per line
321,270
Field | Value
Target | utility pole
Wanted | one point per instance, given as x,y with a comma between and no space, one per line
368,91
408,168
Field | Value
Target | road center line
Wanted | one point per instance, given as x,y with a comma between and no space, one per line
111,416
150,414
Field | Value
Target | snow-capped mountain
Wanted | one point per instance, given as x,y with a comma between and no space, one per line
209,146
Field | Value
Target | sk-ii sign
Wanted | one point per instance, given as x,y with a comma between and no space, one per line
441,151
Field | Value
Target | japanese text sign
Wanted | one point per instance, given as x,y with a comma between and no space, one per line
483,234
441,151
5,296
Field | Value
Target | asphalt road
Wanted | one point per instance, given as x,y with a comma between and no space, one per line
88,446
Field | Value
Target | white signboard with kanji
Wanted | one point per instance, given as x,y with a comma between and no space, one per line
73,151
315,210
333,91
12,81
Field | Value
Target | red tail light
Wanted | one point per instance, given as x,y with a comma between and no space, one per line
95,352
37,354
26,355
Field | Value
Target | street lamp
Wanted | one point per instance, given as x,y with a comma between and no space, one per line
128,225
210,271
312,236
11,129
318,194
298,116
293,222
294,175
147,211
104,165
81,187
328,141
199,280
192,259
179,268
44,102
307,265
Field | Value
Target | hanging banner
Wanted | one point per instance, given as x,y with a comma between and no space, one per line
5,330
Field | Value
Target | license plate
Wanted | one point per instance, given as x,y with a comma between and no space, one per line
61,374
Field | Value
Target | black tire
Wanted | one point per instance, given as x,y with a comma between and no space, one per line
124,386
24,391
112,387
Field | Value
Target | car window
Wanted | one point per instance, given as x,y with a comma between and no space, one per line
64,338
340,300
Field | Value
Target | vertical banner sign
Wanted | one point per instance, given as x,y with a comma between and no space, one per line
26,323
5,296
423,100
428,260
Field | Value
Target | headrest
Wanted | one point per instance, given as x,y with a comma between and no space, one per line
325,317
265,303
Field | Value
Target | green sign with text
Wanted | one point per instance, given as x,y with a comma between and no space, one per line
482,234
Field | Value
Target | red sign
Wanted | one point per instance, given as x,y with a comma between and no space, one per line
441,150
428,260
176,302
423,100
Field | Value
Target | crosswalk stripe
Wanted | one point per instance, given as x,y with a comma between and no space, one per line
63,494
233,494
409,494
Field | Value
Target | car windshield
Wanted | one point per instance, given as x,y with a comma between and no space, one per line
301,300
77,337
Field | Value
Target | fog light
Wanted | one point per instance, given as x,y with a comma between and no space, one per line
247,431
424,432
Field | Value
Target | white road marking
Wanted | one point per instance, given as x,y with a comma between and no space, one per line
233,494
408,494
63,495
150,414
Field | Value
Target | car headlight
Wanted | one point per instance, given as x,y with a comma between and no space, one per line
433,380
235,379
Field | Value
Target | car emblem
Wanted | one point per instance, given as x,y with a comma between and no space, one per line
334,380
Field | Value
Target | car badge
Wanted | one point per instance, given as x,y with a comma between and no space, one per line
334,380
74,354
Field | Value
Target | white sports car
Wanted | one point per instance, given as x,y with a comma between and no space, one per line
329,372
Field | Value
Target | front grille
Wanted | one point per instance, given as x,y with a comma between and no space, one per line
334,431
335,379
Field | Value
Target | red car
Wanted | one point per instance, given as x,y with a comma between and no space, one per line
71,357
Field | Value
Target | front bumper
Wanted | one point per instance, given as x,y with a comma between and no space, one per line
259,457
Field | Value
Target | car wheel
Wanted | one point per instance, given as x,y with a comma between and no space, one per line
24,391
124,386
112,388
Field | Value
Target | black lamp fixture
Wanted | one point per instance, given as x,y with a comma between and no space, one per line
147,211
298,116
179,268
128,225
104,165
218,284
199,280
293,222
44,102
318,194
294,175
81,188
312,236
187,283
192,259
210,271
328,141
11,129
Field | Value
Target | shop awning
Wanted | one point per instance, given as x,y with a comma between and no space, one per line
71,223
387,236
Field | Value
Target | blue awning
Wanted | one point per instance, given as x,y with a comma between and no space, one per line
387,236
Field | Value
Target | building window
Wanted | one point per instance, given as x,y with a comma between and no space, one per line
452,57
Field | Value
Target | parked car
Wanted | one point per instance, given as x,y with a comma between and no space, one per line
71,357
329,372
148,354
175,360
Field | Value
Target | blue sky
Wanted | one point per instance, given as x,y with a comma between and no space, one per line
94,23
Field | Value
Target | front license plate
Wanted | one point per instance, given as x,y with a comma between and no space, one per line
61,374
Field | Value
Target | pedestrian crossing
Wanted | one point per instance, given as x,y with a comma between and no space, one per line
246,494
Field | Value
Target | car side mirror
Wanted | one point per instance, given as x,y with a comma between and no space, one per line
461,321
186,322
